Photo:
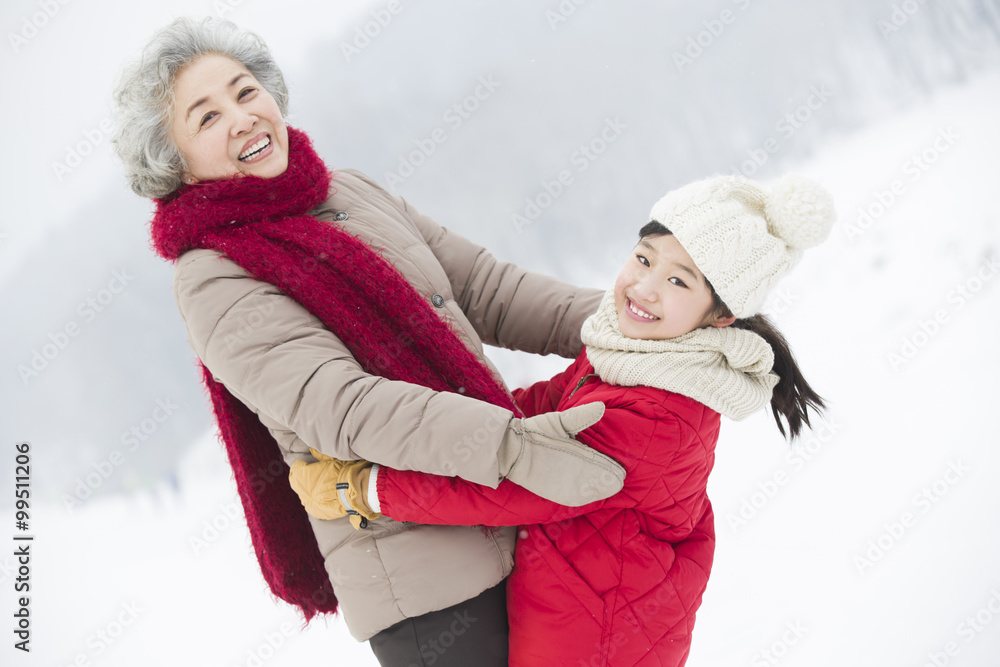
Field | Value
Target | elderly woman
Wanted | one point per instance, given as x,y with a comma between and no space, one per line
329,314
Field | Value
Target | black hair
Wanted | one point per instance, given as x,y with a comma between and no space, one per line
792,397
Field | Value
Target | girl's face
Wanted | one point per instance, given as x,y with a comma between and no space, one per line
225,123
660,293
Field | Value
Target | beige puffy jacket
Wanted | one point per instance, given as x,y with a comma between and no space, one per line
281,361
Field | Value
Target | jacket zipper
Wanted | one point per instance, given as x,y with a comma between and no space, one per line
580,383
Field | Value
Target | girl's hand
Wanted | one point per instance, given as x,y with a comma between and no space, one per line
541,455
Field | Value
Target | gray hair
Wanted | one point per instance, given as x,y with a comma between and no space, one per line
144,96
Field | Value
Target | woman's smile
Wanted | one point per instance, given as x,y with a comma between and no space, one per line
256,149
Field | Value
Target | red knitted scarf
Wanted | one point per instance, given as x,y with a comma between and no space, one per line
263,225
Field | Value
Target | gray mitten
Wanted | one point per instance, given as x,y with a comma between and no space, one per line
540,454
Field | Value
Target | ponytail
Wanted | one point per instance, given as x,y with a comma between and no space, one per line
792,396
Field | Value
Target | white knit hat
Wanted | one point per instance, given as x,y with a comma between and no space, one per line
744,239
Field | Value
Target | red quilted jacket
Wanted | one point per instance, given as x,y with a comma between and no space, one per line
616,582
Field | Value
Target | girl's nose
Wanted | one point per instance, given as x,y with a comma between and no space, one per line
645,289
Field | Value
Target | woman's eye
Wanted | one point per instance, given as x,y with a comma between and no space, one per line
209,116
246,91
645,262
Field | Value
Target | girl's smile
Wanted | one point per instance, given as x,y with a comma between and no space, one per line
637,313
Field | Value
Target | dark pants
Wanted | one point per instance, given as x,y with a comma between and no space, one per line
473,632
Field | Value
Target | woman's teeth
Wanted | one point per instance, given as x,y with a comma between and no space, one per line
256,148
641,313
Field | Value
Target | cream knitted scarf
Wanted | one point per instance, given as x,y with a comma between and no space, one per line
727,369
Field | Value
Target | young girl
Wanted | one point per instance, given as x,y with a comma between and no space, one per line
674,344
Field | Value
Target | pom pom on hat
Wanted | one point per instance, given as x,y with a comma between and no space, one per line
799,211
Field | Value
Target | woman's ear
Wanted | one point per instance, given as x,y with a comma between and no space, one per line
188,178
723,321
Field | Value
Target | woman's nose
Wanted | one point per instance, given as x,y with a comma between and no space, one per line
243,123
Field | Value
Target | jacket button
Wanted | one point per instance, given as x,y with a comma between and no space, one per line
341,215
437,300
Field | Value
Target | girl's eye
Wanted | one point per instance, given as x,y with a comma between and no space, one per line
645,262
678,282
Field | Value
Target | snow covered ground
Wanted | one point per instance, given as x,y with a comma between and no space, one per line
873,542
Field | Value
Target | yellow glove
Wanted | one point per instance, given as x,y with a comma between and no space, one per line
331,488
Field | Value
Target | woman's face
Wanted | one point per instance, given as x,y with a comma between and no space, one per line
225,123
660,293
